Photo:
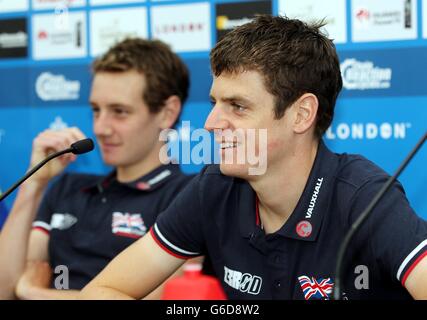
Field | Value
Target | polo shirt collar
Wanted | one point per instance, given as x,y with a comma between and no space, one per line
306,220
149,182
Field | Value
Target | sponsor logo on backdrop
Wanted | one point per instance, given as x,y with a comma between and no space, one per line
332,11
54,41
224,23
384,72
189,30
363,75
13,38
231,15
363,15
179,28
366,19
52,4
58,124
395,21
13,5
59,38
111,26
368,131
67,84
407,15
54,87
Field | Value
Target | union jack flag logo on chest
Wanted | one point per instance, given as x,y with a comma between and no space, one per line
316,289
128,225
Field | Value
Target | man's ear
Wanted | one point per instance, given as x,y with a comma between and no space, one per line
170,112
305,110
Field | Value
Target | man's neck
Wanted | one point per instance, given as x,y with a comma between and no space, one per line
135,171
281,187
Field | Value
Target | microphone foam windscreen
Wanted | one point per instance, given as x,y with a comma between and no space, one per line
82,146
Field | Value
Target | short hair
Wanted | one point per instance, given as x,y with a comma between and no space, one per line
165,72
292,56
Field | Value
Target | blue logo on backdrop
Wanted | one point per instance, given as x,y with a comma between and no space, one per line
385,72
384,133
66,85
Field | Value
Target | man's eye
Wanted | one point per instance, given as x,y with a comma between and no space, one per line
238,107
120,111
212,103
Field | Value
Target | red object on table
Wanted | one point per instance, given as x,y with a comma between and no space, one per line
193,285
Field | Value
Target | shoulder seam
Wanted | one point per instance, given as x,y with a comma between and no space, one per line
363,182
356,192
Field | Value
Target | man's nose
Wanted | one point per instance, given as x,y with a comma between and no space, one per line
216,119
102,125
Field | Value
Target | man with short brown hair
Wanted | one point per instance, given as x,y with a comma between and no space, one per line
275,235
138,90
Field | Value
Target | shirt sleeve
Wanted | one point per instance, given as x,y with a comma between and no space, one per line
43,218
397,236
179,230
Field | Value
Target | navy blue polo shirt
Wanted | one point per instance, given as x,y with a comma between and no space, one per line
90,219
216,215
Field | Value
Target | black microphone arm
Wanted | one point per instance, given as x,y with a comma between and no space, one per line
356,225
79,147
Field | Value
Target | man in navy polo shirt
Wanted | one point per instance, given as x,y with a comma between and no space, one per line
275,234
84,221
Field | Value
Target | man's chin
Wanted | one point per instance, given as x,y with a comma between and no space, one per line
111,162
234,170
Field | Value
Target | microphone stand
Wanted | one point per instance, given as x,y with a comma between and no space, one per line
78,147
32,171
356,225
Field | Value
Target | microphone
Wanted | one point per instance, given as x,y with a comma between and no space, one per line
79,147
82,146
356,225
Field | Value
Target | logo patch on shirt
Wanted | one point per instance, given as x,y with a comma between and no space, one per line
147,185
244,282
62,221
314,289
128,225
143,186
304,229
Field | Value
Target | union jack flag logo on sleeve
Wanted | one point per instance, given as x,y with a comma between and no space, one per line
316,289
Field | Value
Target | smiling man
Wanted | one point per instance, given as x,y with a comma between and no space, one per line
84,221
276,235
